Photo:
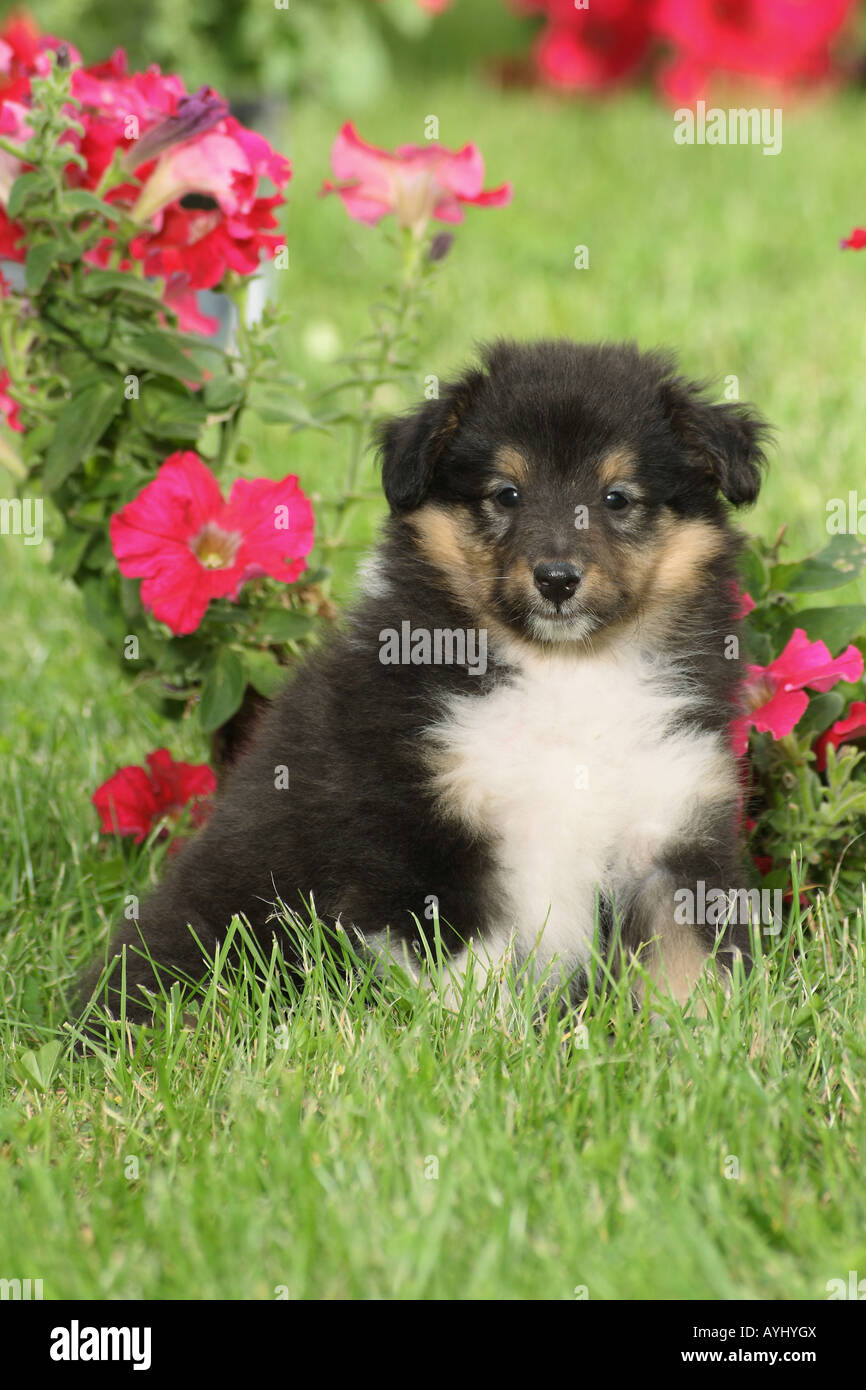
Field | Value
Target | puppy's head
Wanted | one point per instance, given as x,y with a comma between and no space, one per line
561,489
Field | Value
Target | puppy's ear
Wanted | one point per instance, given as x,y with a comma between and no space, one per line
410,446
725,440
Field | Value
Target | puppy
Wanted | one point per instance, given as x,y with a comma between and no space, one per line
521,728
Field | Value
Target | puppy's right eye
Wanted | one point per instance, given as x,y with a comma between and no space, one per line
616,501
507,497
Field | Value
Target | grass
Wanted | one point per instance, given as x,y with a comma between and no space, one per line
284,1144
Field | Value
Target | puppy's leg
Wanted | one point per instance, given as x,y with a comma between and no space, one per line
668,928
202,891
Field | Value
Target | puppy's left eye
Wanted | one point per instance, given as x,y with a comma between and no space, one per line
507,497
616,501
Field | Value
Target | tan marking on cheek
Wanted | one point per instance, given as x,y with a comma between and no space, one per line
511,463
596,584
446,539
617,467
685,551
519,580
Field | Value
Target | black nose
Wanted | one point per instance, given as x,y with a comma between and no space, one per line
556,580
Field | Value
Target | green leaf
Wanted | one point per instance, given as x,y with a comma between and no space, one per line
285,379
223,393
103,613
837,564
753,574
276,407
39,1067
232,613
222,692
69,551
167,410
40,259
823,710
23,189
263,673
835,626
760,648
284,625
98,282
80,426
158,352
80,200
12,461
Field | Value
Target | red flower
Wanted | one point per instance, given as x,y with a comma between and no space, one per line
594,48
416,182
230,225
189,546
745,603
14,128
185,150
195,172
180,297
780,42
8,406
134,800
843,731
118,108
776,692
24,53
856,241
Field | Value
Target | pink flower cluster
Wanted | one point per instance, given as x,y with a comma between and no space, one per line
778,43
775,696
189,546
195,173
135,799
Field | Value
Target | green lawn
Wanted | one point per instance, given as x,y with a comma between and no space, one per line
291,1145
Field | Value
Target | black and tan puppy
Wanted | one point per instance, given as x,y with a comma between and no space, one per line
525,715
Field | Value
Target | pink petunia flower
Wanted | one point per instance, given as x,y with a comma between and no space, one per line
745,603
228,226
195,172
118,108
775,42
415,182
8,406
25,53
135,799
594,48
14,127
775,694
183,300
853,726
198,205
189,546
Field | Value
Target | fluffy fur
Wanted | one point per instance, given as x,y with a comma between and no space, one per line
568,502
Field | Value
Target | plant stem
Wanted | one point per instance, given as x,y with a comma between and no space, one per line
391,327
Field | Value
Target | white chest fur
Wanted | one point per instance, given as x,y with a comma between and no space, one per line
567,771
